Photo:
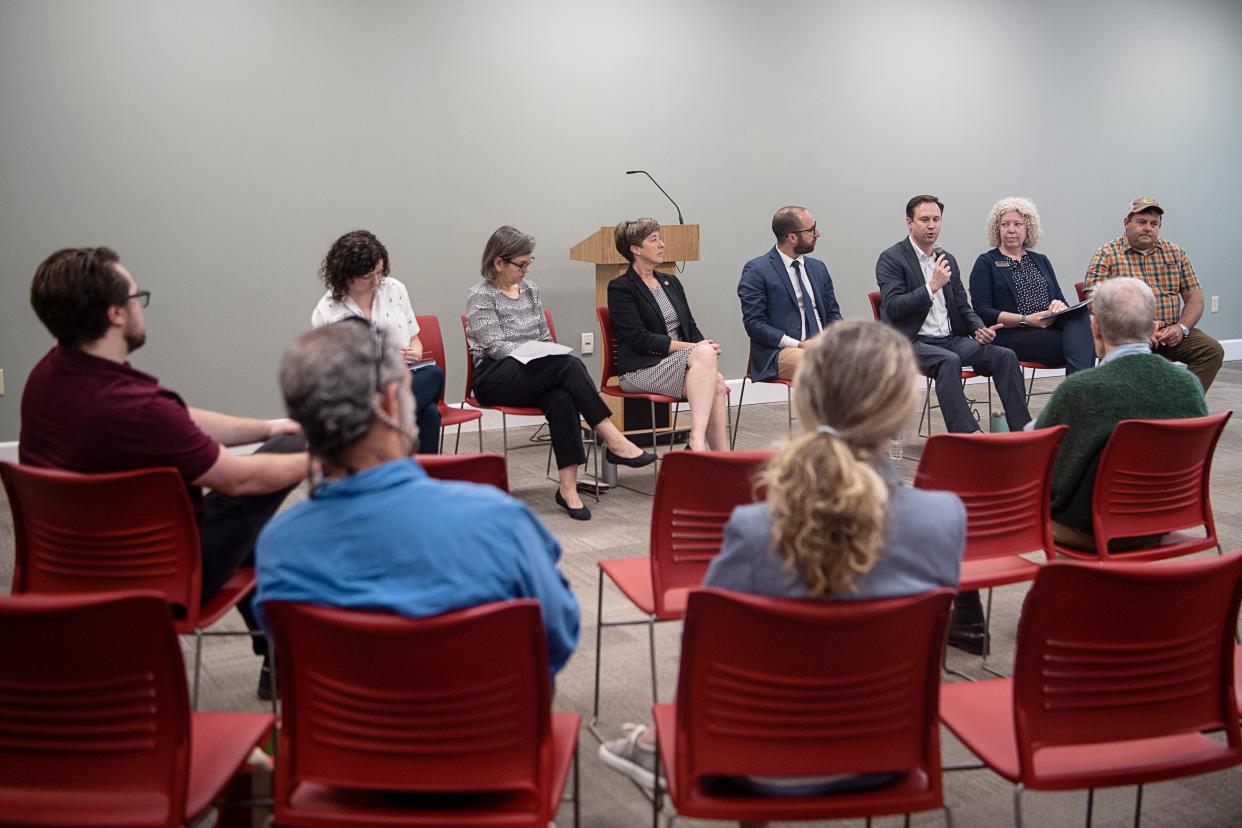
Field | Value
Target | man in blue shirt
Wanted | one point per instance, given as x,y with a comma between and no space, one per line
377,532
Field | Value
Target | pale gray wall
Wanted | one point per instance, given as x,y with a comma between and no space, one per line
222,146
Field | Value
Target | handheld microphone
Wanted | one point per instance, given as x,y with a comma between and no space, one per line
680,220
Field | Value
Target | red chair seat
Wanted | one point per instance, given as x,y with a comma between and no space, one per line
983,573
323,806
1174,545
913,792
237,587
981,714
220,743
633,577
512,410
450,416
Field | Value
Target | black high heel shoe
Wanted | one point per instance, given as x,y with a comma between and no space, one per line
644,459
580,513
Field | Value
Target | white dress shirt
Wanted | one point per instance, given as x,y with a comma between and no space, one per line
801,288
390,310
937,321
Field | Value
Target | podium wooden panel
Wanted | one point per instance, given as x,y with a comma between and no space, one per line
681,244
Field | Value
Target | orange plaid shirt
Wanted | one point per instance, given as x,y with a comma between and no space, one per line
1165,269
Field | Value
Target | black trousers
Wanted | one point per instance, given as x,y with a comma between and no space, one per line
1067,342
559,386
426,383
231,525
942,358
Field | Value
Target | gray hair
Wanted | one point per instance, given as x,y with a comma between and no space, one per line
1023,207
329,381
506,243
1124,309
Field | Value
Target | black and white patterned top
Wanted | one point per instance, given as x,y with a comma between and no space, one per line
496,324
1029,284
668,376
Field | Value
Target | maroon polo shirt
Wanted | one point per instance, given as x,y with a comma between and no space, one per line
89,414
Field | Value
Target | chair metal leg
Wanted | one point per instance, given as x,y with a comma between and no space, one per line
1017,804
788,407
1138,806
655,449
577,790
741,398
198,665
480,422
655,695
926,412
729,422
658,798
599,632
948,816
1090,804
504,435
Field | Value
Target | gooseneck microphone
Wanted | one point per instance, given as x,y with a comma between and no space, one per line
680,220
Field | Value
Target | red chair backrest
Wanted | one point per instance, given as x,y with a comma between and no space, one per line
433,345
781,687
465,329
473,468
1155,477
104,532
608,346
94,713
454,702
1003,481
694,497
1125,651
874,298
1081,289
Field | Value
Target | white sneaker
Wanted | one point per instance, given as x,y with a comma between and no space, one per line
628,755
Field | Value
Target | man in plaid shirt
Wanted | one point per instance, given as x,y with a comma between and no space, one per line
1141,253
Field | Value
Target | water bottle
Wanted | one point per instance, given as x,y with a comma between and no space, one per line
896,447
999,423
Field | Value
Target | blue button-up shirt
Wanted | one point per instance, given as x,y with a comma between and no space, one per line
391,538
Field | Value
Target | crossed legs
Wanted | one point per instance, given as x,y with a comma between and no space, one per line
705,393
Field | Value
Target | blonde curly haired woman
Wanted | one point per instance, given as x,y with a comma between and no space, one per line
838,522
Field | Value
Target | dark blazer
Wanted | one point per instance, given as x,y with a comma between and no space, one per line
904,300
991,284
770,308
638,325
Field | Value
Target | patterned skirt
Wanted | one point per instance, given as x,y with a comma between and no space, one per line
668,377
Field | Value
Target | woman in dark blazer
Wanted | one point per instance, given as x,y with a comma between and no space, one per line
660,348
1016,287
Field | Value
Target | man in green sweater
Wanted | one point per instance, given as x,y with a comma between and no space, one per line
1129,383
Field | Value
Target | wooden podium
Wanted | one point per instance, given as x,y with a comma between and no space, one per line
681,244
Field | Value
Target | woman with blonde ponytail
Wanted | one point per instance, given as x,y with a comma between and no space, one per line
838,522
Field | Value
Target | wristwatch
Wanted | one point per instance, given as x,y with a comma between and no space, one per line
1022,321
1185,330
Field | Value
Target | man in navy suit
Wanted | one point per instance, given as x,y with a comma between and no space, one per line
921,295
787,297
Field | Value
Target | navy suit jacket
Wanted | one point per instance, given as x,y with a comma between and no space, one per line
638,325
904,300
770,308
991,284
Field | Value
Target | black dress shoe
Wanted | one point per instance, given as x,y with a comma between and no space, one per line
968,638
644,459
580,513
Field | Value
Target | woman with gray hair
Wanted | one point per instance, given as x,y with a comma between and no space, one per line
1016,287
660,348
502,312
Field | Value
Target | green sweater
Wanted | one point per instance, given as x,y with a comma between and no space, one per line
1090,403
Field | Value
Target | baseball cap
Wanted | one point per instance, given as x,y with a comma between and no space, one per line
1142,203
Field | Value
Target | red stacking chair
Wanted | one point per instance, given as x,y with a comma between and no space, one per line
1080,288
694,497
774,687
433,348
95,727
737,423
441,721
1105,691
126,530
609,386
473,468
1154,478
1003,481
874,298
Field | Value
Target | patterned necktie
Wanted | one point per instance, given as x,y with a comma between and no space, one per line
808,313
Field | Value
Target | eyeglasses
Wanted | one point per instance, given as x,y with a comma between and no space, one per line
522,266
143,297
810,229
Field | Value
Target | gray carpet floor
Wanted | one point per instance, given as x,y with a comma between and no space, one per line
620,528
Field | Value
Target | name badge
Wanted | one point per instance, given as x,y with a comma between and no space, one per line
1001,263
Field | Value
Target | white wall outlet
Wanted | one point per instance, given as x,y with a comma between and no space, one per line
588,343
1215,304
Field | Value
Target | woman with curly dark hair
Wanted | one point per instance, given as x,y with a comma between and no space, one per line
355,271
